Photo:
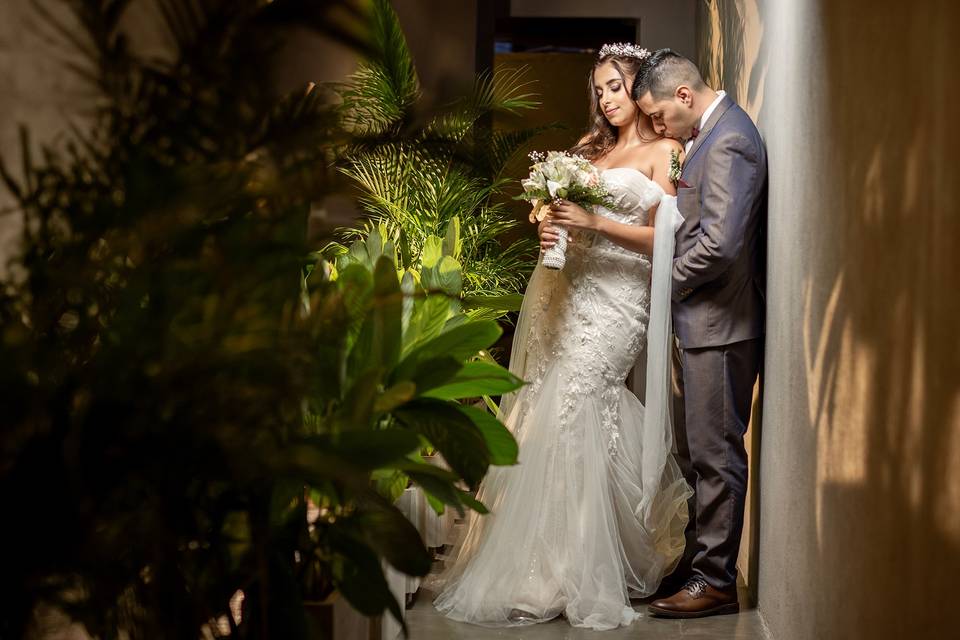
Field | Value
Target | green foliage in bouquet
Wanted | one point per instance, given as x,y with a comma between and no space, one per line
178,388
558,174
413,181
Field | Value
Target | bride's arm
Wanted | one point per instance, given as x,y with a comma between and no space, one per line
632,237
661,171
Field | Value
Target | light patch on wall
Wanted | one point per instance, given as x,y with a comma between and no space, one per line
913,435
914,174
817,365
735,66
874,187
842,441
946,513
714,74
838,371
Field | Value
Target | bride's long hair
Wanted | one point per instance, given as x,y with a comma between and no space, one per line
601,136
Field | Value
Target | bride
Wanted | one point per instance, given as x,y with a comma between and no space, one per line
594,513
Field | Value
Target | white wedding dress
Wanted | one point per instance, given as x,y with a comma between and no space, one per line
594,512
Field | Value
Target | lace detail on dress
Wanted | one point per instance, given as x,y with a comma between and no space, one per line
590,516
601,301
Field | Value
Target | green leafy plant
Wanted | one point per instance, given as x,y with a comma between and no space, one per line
414,182
405,356
432,290
178,389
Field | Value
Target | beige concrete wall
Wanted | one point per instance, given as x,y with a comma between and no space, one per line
443,43
859,499
35,90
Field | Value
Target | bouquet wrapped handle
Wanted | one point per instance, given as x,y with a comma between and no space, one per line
556,256
558,174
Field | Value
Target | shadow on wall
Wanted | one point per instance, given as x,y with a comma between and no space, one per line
882,354
731,57
873,509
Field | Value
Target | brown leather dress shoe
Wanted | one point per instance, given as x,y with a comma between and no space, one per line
697,599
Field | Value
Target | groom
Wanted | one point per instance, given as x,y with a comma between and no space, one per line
717,316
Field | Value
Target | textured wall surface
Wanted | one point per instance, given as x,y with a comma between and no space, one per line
859,503
443,44
35,91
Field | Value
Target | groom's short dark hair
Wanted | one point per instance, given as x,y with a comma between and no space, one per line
663,71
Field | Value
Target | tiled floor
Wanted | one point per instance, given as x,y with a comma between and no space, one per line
426,624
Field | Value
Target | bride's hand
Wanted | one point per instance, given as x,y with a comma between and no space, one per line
548,234
572,216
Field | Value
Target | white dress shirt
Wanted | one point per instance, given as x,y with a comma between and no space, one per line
703,119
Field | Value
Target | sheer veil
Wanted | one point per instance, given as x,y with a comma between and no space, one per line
659,467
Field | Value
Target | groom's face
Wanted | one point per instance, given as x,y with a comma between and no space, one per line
672,117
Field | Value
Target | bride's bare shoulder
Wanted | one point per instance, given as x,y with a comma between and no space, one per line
668,146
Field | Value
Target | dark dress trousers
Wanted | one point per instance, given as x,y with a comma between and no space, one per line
718,314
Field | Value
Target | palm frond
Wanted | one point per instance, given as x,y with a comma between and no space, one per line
504,91
381,93
443,193
492,157
413,181
507,90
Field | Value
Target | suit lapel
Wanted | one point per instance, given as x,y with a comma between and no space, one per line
721,109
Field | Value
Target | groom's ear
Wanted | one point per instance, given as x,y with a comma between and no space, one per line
684,95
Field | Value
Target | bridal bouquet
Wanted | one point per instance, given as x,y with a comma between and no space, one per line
555,175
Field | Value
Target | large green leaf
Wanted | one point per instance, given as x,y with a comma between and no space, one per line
390,483
409,288
435,372
438,491
356,410
440,487
451,239
415,468
357,254
460,343
361,579
477,379
374,245
449,275
432,252
312,462
445,276
507,302
500,442
453,434
391,534
426,320
473,503
356,283
371,449
379,342
396,395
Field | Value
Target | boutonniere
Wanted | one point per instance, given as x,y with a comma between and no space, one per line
676,168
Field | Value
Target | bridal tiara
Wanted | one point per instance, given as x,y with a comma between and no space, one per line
623,49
